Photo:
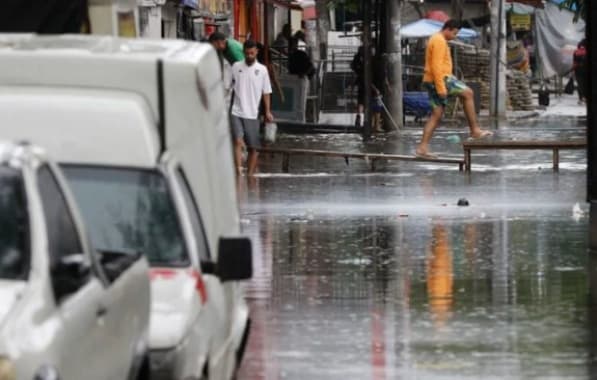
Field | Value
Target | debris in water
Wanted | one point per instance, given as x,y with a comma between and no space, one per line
463,202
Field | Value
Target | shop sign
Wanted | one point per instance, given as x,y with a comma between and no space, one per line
520,22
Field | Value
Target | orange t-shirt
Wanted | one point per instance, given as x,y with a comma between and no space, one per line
438,62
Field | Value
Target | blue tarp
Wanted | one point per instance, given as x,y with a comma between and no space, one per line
190,3
416,103
558,2
426,28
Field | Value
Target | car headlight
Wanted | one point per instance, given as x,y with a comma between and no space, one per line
7,369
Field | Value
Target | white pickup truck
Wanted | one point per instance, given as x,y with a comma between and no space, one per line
66,312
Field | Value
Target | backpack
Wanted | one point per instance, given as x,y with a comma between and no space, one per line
300,64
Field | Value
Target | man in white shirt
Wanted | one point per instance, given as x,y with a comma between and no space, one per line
251,84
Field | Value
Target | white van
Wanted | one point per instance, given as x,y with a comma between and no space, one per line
144,106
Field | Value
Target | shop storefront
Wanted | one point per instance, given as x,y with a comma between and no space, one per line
114,17
185,19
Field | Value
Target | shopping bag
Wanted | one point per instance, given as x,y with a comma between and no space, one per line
270,132
569,89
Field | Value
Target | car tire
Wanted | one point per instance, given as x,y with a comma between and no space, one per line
205,372
240,352
145,370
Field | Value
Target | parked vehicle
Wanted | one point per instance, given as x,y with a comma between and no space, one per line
141,131
65,312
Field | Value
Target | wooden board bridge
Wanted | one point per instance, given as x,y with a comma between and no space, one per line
464,164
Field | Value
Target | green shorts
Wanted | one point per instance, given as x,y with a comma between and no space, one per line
454,86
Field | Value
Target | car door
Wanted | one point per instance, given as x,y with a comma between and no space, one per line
219,315
124,305
80,340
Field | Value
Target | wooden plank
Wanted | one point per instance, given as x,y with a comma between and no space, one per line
524,144
555,146
370,158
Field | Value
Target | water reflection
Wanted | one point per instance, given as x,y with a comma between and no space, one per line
440,276
381,276
394,297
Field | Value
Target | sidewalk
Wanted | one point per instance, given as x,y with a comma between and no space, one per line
560,106
562,120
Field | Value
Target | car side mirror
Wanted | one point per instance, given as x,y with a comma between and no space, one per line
69,274
235,259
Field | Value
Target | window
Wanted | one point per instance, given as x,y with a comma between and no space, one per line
129,210
63,238
14,226
191,205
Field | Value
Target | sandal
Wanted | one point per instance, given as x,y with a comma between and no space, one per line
427,156
482,135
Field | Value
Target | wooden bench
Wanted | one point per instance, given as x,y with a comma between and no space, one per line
555,146
370,158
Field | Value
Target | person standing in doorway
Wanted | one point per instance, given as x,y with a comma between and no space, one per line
441,83
251,83
580,70
357,65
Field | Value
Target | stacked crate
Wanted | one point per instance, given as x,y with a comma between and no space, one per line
519,91
473,66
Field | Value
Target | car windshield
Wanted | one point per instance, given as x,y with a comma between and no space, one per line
129,210
14,255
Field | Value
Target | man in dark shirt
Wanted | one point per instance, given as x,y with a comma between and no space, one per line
580,69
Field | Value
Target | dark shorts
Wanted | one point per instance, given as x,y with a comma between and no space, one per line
454,86
247,129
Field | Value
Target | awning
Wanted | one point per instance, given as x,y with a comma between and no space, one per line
285,4
531,3
520,8
309,13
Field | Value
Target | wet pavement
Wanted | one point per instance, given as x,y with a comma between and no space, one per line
362,275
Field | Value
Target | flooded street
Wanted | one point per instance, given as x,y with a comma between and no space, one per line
382,275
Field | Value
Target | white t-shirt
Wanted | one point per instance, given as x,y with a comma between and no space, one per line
250,83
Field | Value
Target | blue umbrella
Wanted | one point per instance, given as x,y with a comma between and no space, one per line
426,28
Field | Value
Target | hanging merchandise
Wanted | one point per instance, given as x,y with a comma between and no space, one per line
543,96
557,37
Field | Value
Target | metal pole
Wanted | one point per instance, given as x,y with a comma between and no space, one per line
393,48
497,106
591,31
366,8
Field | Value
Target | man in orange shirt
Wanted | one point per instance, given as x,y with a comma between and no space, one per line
441,83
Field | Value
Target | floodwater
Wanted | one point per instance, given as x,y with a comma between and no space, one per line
381,275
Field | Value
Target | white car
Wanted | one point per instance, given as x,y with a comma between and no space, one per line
141,131
153,211
65,312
